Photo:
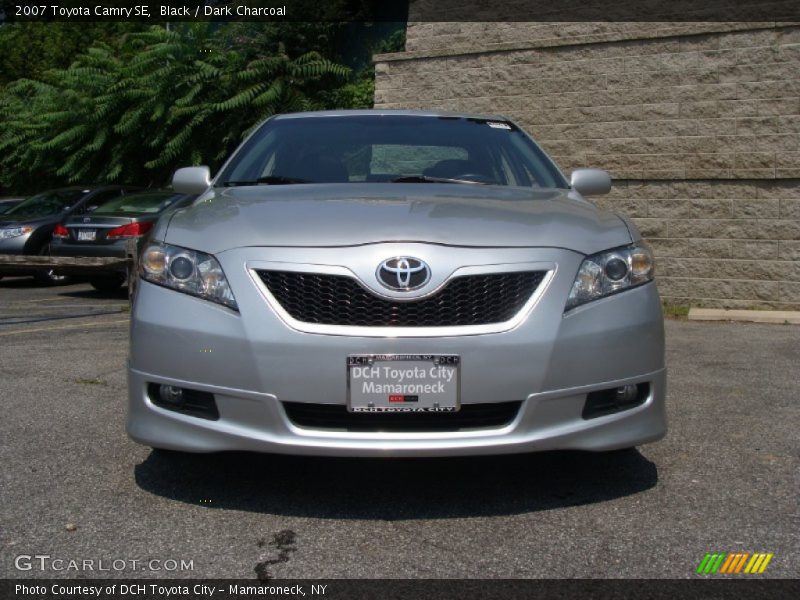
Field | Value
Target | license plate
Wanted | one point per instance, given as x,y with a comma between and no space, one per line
403,383
86,235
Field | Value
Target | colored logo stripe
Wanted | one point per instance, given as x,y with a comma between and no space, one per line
741,562
711,563
728,562
758,563
733,562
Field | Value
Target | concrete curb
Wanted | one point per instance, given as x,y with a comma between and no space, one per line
752,316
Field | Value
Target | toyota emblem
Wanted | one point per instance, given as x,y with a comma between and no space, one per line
403,273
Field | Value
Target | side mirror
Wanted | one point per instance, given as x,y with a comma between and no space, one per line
191,180
590,182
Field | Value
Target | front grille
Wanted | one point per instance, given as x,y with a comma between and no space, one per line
340,300
337,417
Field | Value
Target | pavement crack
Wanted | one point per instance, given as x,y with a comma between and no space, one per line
284,543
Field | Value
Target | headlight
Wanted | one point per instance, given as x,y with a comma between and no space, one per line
187,271
12,232
610,272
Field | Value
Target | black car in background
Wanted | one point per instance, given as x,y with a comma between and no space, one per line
28,226
106,230
8,204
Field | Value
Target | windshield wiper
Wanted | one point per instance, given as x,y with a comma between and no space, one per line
429,179
268,180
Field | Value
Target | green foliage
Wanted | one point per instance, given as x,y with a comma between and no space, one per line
133,110
129,103
29,49
356,94
675,311
360,92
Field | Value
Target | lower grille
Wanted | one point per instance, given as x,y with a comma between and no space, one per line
339,300
337,417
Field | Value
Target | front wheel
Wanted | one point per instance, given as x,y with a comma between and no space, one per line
49,276
107,284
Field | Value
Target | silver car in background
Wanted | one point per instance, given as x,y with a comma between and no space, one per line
27,227
395,283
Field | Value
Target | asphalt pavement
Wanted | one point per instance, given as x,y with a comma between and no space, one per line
73,487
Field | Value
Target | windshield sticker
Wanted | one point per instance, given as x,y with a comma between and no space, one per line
498,125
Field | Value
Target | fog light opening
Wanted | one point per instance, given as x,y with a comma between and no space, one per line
186,401
626,394
614,400
171,394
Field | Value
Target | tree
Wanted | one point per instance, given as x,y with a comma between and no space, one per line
27,50
131,112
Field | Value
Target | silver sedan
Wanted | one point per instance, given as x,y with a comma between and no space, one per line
395,283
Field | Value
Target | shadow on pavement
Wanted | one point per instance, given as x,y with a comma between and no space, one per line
9,281
395,489
93,294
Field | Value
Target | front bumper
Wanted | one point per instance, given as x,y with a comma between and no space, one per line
22,244
252,362
15,245
257,422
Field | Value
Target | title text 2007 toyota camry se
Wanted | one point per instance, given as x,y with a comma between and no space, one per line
394,283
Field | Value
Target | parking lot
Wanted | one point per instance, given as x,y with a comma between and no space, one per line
72,486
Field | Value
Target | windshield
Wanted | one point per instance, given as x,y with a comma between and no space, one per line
45,204
139,204
390,148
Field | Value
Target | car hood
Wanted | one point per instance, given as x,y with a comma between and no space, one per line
323,215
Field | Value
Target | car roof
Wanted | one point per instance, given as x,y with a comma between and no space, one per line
375,112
